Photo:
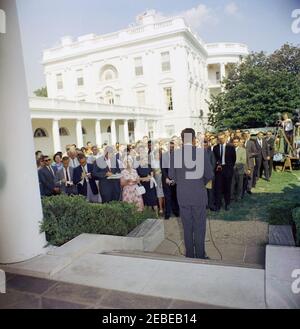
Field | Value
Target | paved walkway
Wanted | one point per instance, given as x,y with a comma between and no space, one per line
240,242
24,292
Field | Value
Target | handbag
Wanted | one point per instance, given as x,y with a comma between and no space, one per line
140,189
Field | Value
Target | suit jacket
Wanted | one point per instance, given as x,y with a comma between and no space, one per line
101,168
47,181
230,155
60,175
211,157
165,166
82,188
251,153
191,191
263,151
241,160
271,143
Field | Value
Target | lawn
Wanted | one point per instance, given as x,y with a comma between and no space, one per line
283,186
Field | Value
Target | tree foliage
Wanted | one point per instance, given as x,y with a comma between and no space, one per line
42,92
257,89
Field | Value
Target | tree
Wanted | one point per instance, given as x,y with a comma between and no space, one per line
42,92
257,89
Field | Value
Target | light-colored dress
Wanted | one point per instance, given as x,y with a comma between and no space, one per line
130,194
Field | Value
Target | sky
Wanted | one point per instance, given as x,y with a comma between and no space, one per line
261,24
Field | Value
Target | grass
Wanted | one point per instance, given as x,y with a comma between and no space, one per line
283,186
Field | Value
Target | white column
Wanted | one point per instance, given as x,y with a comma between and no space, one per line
20,203
222,71
113,134
139,129
126,132
79,133
56,136
98,133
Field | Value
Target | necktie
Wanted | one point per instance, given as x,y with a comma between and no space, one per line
51,170
67,175
221,153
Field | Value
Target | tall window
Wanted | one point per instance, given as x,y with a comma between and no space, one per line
168,98
138,63
218,76
109,98
165,61
141,101
59,81
80,80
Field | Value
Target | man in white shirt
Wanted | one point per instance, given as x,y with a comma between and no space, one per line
73,159
65,177
94,156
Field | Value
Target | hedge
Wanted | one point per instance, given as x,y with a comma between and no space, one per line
281,212
66,217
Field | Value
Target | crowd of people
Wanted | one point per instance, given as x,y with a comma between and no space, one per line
136,174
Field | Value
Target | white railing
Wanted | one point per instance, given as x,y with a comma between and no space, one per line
53,104
117,35
226,47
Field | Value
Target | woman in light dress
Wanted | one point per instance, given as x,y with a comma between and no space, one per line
129,181
156,165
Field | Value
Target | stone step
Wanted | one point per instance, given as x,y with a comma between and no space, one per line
167,257
281,235
223,286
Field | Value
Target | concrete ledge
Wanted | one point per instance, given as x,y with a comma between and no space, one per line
2,282
43,266
147,237
233,287
152,231
281,261
281,235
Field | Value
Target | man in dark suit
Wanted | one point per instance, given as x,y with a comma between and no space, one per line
251,153
83,178
169,186
211,189
104,167
191,170
271,143
263,156
64,177
47,178
225,160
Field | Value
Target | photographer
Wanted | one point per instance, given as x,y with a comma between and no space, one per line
288,128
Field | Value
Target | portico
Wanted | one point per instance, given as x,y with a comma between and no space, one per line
55,124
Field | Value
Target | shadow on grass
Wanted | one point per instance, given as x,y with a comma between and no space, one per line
283,187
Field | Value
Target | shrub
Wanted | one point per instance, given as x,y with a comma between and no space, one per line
296,219
280,213
67,217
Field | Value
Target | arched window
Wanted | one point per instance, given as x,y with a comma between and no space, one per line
108,130
40,132
108,75
83,131
108,72
63,132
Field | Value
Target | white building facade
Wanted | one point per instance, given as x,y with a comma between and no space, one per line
153,79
